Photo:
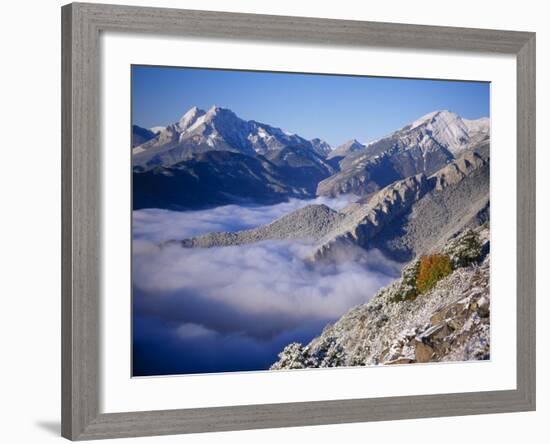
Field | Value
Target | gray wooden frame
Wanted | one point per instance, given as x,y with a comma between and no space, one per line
81,26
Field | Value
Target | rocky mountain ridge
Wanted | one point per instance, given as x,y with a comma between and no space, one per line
310,223
218,129
424,146
409,217
213,157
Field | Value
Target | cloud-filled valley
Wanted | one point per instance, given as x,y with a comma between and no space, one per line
235,307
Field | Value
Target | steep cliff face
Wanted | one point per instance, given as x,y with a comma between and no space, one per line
400,324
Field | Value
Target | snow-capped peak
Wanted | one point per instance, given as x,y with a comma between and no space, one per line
478,125
214,110
449,129
191,113
439,116
157,129
189,118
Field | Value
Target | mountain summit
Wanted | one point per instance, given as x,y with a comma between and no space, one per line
218,129
423,146
450,130
351,146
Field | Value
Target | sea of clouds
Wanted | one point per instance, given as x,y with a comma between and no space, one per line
234,308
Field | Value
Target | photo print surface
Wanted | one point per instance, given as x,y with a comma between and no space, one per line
286,221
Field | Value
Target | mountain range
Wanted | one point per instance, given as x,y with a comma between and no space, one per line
423,146
421,191
214,157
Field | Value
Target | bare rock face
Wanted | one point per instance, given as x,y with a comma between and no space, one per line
449,322
458,170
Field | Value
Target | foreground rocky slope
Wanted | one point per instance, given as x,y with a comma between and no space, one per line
400,325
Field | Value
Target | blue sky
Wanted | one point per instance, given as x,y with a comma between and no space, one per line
334,108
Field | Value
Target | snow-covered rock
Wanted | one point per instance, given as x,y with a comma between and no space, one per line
450,130
156,129
424,146
218,129
450,322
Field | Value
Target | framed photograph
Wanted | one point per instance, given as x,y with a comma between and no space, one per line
277,221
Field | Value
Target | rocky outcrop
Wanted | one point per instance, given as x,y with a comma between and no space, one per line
309,223
440,214
449,322
458,170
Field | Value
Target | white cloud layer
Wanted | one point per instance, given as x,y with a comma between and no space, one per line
161,225
255,295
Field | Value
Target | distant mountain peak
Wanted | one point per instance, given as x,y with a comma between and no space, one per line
191,113
189,118
346,148
321,147
445,115
352,144
218,129
423,146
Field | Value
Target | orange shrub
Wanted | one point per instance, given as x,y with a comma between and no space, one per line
432,269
